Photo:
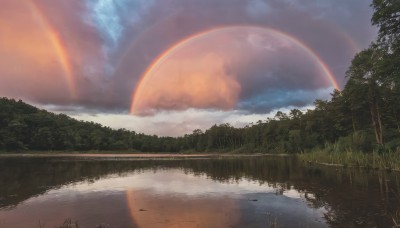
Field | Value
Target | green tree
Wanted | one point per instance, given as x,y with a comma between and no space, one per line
363,73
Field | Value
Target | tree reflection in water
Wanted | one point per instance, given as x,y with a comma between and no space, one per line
355,197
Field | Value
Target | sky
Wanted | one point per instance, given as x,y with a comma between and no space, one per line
167,67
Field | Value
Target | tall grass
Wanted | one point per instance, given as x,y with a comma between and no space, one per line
389,160
68,223
396,219
273,222
357,150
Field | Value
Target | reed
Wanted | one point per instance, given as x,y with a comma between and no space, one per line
68,223
386,160
273,222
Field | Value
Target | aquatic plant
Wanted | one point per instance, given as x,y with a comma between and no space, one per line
331,155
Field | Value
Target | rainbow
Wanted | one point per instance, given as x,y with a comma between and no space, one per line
354,47
170,51
58,46
130,200
142,35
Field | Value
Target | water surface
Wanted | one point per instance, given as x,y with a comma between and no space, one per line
209,191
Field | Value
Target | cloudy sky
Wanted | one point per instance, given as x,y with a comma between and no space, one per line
168,67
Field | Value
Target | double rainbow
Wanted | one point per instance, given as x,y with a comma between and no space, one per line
170,51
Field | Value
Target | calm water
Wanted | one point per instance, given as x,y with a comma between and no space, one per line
192,192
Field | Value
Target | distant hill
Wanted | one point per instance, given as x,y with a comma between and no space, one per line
24,127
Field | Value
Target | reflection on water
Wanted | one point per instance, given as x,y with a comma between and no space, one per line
192,192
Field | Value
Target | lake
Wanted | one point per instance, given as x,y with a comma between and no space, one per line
193,191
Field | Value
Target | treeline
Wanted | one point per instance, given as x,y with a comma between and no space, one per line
365,116
24,127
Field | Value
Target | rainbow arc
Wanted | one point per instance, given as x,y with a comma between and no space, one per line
57,44
170,51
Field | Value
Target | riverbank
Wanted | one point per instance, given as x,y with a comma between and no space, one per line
136,155
374,160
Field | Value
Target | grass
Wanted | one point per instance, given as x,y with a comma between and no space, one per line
273,222
389,160
68,223
396,219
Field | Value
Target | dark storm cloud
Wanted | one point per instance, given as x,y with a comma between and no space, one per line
287,70
274,99
328,28
111,43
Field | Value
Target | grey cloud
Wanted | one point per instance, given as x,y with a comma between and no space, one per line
274,99
106,82
311,22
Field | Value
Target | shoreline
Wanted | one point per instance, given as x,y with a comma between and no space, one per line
351,166
135,155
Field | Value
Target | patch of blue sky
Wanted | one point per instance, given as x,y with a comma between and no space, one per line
111,16
275,98
107,20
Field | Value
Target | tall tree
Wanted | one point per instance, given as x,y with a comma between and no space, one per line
363,74
387,17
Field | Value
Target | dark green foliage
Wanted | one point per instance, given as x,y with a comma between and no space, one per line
365,116
24,127
387,17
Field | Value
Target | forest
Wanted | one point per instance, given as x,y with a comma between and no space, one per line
363,117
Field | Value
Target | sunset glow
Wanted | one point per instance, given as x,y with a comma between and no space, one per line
55,40
204,89
199,113
149,59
